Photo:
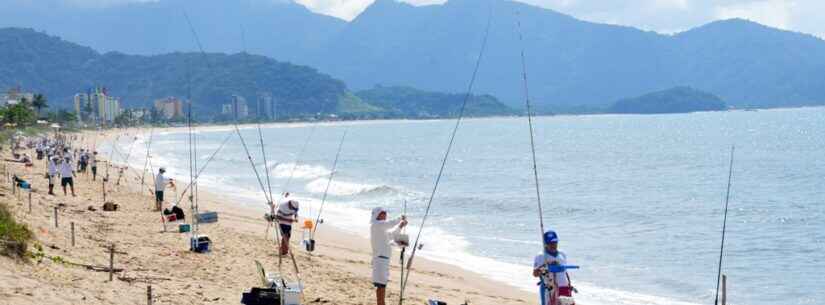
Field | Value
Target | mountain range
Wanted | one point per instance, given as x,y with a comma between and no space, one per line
573,65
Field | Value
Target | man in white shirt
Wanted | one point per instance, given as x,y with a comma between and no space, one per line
52,173
380,231
286,215
160,185
546,266
67,174
93,162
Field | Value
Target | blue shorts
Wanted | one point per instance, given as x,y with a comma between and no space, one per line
286,230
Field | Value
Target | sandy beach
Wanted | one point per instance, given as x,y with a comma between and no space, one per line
338,272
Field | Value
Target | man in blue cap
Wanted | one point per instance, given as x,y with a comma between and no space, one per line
552,277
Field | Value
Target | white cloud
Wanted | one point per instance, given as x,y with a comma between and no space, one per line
775,13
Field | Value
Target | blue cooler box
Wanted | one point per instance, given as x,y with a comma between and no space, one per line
200,243
207,217
184,227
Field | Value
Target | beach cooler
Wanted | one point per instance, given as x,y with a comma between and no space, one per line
184,227
291,294
200,243
207,217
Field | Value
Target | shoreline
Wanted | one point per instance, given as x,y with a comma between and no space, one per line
250,219
337,272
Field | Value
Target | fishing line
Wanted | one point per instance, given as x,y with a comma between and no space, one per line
449,149
724,225
329,182
206,164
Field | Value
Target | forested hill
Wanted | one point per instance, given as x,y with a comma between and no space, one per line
674,100
573,64
60,69
398,101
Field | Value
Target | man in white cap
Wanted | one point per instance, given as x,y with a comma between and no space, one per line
380,231
286,215
160,185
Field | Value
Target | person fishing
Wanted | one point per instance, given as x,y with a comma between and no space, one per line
286,215
51,173
380,231
67,174
160,185
551,257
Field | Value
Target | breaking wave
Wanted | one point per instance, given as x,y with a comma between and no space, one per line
340,188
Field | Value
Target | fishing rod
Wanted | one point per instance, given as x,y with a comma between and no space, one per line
146,161
724,225
447,152
402,257
326,190
526,90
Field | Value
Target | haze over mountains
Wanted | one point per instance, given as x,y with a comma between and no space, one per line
573,65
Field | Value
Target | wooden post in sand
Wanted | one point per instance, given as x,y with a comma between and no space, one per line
724,289
72,225
30,202
55,217
111,262
149,295
104,190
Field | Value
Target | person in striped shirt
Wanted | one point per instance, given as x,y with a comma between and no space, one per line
286,215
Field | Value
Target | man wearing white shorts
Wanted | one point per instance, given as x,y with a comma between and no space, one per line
380,231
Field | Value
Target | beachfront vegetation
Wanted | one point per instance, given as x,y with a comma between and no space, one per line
14,236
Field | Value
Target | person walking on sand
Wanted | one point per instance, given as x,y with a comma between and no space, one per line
67,175
380,231
550,257
286,215
51,174
93,164
160,185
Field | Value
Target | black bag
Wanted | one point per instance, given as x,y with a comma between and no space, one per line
261,296
178,212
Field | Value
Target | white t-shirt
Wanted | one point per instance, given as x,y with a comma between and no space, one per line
66,169
560,258
52,168
287,211
160,182
93,160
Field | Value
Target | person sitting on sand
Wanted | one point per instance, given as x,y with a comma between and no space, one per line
160,185
380,231
551,256
286,215
51,174
67,174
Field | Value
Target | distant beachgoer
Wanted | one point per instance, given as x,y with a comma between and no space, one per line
551,256
286,215
93,163
52,173
81,161
67,174
380,231
160,185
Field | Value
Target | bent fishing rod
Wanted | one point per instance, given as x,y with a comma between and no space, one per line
724,226
467,96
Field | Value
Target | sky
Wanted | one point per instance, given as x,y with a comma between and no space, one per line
664,16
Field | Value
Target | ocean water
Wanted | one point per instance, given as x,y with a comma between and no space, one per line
637,200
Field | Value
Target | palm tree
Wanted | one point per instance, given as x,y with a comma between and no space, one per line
39,103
